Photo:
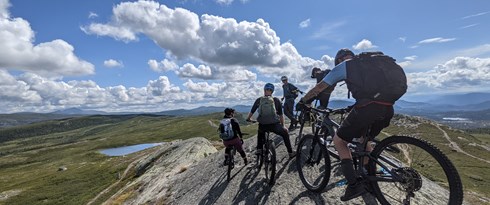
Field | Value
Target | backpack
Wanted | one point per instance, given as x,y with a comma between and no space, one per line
373,76
267,111
226,130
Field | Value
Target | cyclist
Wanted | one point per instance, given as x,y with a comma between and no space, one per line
229,122
372,112
270,119
324,96
290,94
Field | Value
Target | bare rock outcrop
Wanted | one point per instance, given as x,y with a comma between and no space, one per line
191,172
156,173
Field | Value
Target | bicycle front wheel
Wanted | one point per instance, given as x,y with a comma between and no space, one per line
419,173
270,162
313,163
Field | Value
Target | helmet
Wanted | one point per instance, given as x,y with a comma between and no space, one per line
228,111
269,86
313,72
283,78
341,54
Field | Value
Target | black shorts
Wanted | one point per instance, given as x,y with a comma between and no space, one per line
360,119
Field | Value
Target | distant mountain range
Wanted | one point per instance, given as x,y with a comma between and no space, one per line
464,105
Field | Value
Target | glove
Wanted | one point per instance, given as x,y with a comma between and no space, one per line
301,92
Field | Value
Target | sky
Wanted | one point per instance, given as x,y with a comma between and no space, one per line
150,56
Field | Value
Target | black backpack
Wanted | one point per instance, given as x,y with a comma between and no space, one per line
373,76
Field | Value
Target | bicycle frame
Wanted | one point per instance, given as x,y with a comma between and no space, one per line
326,124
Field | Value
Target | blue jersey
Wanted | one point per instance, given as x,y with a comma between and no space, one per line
338,73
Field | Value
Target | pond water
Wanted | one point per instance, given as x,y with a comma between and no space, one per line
120,151
455,119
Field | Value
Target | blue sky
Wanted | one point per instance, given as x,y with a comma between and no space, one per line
159,55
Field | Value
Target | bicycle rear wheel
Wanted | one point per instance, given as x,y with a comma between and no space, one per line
426,175
313,163
231,163
270,162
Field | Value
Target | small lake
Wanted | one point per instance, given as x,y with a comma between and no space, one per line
455,119
120,151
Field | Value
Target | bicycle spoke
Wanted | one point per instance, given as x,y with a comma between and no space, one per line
423,172
313,164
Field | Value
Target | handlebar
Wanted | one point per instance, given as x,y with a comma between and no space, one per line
251,121
331,111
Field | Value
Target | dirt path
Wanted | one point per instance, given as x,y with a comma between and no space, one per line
455,146
212,124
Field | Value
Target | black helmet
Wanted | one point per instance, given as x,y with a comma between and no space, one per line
313,72
229,111
341,54
283,78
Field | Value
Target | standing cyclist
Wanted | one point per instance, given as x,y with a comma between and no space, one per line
324,96
270,119
376,82
290,94
231,135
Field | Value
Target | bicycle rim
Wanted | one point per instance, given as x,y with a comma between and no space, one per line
270,163
313,164
230,167
428,177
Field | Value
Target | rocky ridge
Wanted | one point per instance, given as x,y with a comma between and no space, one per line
191,172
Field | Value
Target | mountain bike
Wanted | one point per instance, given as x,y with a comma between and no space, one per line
231,162
400,169
313,172
267,158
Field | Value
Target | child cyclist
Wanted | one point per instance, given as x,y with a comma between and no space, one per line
231,135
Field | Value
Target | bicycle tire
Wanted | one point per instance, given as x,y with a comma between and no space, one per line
433,173
301,128
314,176
270,162
231,163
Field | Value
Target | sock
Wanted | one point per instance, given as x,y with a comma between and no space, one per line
348,171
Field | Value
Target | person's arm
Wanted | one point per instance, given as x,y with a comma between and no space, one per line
315,91
236,127
296,90
279,112
254,108
337,74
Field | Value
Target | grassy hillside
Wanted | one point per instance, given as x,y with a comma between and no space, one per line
473,172
31,155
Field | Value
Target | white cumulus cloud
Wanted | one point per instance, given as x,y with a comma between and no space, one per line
212,40
364,44
162,66
17,51
111,63
459,74
190,71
